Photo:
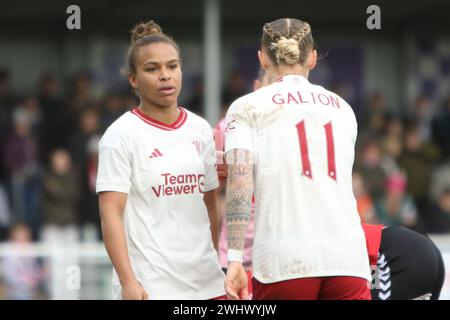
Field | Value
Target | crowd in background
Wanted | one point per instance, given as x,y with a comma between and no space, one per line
48,162
48,159
402,166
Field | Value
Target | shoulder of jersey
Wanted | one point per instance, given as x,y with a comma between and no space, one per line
245,99
251,101
122,124
197,120
262,92
119,130
125,119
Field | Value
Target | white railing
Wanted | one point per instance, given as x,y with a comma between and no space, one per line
83,270
71,271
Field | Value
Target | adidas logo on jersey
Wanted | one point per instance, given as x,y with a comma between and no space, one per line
155,154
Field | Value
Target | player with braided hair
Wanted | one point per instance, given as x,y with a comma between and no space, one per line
405,264
156,182
291,144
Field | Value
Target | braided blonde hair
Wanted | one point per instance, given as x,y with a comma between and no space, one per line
287,41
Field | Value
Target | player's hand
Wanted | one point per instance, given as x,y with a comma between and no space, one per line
133,290
236,282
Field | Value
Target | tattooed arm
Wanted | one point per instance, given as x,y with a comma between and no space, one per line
238,196
238,199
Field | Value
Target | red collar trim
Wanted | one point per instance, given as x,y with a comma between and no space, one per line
161,125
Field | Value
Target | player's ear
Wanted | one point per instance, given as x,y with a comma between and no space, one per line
132,80
312,59
262,59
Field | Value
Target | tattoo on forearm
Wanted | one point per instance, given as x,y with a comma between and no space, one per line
238,201
236,235
241,171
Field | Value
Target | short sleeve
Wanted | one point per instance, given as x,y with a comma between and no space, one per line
239,130
354,126
209,159
114,165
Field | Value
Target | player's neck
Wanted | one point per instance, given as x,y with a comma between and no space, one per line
166,115
283,70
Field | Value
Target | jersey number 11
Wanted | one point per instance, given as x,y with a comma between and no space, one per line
306,165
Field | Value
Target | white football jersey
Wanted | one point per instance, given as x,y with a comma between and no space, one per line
302,137
164,169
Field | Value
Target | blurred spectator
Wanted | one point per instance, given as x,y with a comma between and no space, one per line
439,221
236,87
84,158
88,126
195,101
21,161
89,199
441,129
440,180
21,269
370,168
6,100
417,161
374,120
113,108
81,96
424,114
364,201
392,145
54,115
396,207
61,192
29,107
5,214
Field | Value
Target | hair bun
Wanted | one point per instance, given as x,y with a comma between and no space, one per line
145,29
286,50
